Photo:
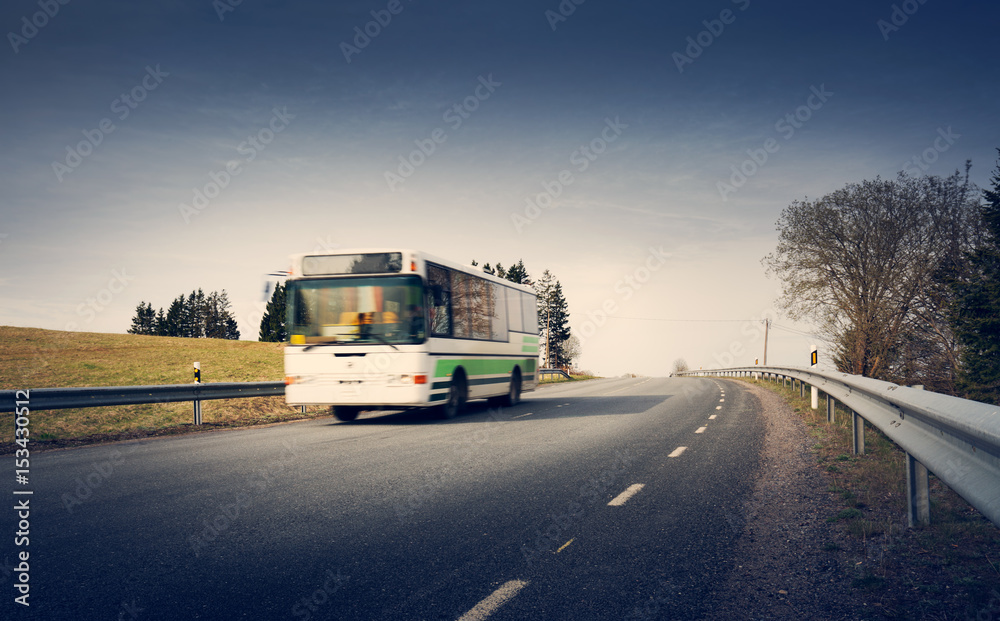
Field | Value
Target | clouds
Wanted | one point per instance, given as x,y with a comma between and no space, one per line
324,175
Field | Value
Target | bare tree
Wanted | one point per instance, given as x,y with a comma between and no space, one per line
680,365
867,262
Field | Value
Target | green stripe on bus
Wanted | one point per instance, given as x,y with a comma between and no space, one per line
530,339
479,366
529,349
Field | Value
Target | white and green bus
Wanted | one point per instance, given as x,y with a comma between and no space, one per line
388,329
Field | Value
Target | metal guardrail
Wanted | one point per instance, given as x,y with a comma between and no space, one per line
90,397
956,439
554,372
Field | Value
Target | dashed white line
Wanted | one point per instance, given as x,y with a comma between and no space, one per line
700,429
712,417
721,400
718,407
622,498
677,451
497,599
522,415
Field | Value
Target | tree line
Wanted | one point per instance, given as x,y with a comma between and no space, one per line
903,278
195,316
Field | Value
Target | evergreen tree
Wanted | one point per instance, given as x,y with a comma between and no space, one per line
517,273
173,320
219,322
272,324
144,321
161,320
975,319
553,320
194,316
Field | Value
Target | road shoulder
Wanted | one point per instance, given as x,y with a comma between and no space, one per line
789,562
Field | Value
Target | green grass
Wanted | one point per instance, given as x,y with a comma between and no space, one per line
34,358
558,379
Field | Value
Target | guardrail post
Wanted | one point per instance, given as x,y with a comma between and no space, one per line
918,493
197,403
815,397
857,434
831,409
802,389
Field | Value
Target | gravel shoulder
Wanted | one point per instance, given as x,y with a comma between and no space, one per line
790,563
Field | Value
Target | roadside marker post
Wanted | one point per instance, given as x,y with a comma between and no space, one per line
813,360
197,403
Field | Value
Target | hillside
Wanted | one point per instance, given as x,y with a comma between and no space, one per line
35,358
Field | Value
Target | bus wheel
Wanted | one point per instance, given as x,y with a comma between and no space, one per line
345,413
457,395
513,397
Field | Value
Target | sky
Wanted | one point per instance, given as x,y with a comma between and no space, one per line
639,151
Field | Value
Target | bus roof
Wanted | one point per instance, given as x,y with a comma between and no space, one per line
411,258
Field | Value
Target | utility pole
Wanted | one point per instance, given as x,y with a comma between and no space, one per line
548,338
767,325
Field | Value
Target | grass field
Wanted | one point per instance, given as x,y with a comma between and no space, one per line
34,358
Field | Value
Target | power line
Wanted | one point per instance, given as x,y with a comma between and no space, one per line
684,320
795,331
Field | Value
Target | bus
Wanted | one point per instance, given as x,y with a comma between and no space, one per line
391,329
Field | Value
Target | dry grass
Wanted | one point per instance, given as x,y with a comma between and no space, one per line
34,358
949,570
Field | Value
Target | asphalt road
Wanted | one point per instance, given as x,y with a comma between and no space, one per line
499,514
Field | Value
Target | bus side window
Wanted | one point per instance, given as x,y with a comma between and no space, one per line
439,304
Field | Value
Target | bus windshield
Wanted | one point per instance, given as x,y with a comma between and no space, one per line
385,310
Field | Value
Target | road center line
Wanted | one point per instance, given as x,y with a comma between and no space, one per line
718,407
700,429
677,451
721,400
563,546
712,417
497,599
522,415
624,496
